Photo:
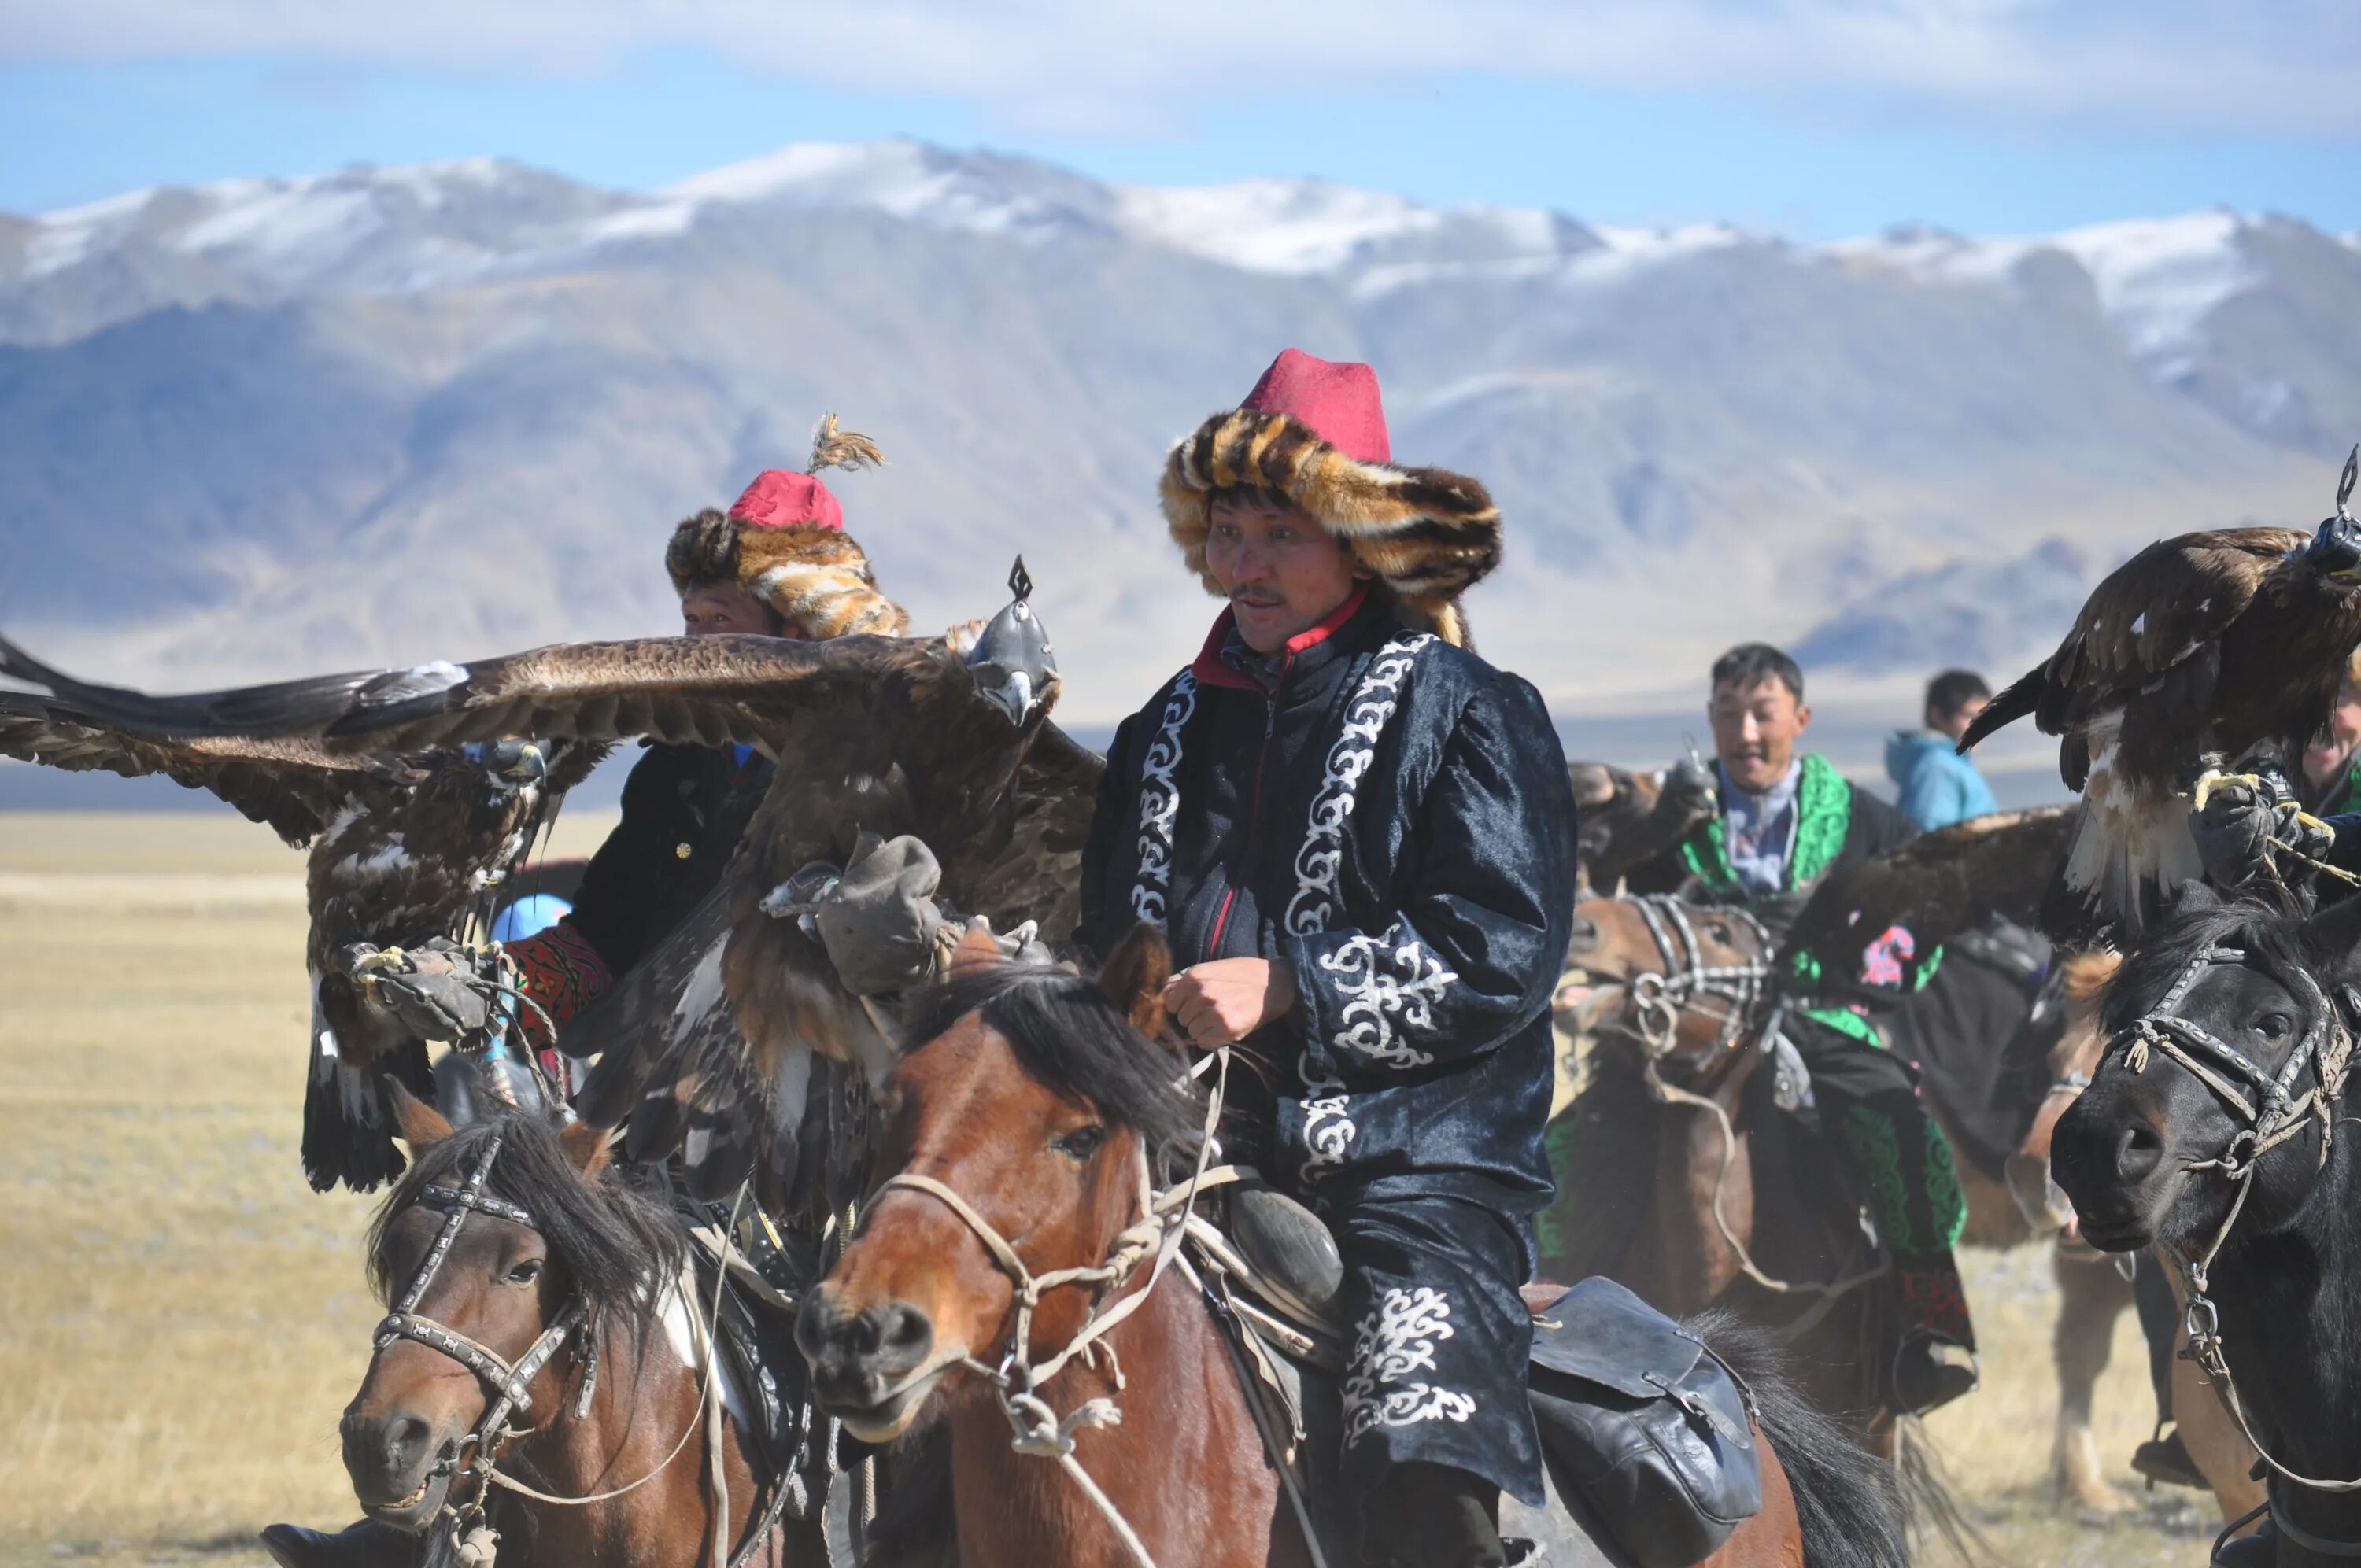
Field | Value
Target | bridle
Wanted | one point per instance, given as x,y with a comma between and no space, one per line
1660,995
1165,1221
2273,1114
506,1383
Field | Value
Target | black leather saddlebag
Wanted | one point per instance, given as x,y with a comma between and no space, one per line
1646,1431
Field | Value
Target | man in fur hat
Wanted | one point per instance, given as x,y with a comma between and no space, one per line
1359,838
777,563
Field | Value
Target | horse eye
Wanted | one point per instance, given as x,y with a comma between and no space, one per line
1080,1144
1718,931
525,1273
2271,1025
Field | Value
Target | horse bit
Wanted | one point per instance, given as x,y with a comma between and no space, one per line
2273,1115
1658,996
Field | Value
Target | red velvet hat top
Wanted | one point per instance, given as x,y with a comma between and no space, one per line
1337,402
779,499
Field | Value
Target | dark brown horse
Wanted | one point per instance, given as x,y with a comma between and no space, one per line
545,1274
1020,1131
1675,997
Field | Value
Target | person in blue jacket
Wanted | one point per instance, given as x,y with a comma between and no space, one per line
1938,785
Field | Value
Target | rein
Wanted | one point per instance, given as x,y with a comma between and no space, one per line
1165,1220
2273,1115
507,1382
1660,997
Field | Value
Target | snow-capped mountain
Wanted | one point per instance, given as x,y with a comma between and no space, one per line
255,426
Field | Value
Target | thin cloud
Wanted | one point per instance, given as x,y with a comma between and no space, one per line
2174,66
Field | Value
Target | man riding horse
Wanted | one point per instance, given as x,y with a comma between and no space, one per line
777,563
1359,838
1786,822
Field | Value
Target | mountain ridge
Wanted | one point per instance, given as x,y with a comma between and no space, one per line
257,425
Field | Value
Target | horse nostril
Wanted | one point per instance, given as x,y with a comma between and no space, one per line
406,1438
2138,1150
903,1335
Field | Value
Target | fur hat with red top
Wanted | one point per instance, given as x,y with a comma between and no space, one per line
783,541
1316,432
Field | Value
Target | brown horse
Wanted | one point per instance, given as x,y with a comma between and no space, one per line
1020,1131
1674,996
517,1265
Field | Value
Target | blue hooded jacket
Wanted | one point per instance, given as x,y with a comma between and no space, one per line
1938,786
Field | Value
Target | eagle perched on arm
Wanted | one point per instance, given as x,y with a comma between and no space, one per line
2222,646
404,849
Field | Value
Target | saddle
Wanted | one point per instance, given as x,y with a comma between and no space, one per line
1647,1435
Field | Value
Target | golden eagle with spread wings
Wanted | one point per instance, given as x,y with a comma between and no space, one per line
404,848
2214,649
709,1042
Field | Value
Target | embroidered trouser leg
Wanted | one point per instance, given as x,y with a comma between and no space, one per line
1869,1100
1439,1338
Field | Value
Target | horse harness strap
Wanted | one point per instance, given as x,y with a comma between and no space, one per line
1164,1223
507,1382
2273,1115
1661,995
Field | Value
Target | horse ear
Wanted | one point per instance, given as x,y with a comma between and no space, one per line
587,1148
1134,976
976,950
2334,934
421,1125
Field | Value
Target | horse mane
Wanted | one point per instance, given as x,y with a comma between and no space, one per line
1072,1036
1849,1507
615,1239
2267,928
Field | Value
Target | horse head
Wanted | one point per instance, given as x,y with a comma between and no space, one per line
2070,1059
1021,1134
501,1246
2215,1099
1679,982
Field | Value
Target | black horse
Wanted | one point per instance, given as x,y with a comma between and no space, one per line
2212,1127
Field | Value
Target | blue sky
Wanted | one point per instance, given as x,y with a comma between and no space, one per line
1812,119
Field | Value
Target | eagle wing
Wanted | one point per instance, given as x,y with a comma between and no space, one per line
706,691
1936,886
293,785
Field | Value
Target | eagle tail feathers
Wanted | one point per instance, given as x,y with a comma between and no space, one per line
347,1129
2123,865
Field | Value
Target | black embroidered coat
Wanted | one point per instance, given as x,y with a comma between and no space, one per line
1394,820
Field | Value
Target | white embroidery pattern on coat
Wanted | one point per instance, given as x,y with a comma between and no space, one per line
1386,981
1374,701
1328,1130
1389,1347
1159,801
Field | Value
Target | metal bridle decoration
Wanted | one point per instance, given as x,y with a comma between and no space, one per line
506,1382
2273,1115
1659,996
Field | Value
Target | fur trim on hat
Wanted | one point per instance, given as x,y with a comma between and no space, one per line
1428,534
817,577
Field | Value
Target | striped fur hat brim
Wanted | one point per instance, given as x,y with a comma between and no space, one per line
814,577
1427,533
